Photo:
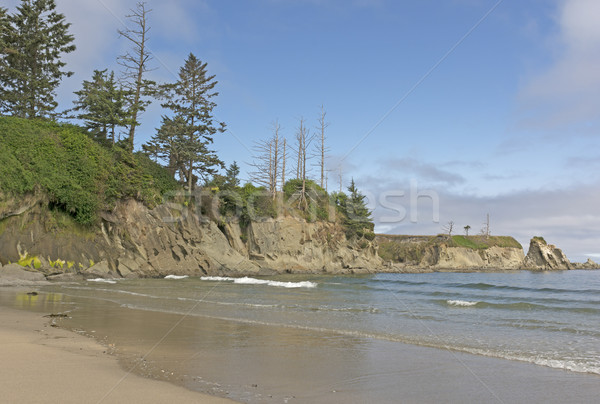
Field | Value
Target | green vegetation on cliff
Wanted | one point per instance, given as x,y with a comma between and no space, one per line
78,175
482,242
404,248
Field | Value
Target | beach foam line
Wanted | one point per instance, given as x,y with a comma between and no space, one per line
253,281
101,280
176,276
461,303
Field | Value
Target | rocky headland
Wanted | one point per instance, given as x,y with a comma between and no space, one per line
71,207
473,253
136,241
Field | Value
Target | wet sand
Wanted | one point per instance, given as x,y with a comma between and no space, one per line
254,363
44,364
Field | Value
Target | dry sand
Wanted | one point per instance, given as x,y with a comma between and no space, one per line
44,364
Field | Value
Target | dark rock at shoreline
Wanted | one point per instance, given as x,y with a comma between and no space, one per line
589,264
14,274
545,257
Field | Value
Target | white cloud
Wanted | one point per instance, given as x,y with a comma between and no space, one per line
568,218
565,96
425,171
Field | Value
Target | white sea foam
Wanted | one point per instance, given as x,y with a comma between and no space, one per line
253,281
216,278
580,365
176,276
462,303
102,280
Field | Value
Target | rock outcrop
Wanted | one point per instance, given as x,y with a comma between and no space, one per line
589,264
436,253
543,256
489,258
16,275
134,241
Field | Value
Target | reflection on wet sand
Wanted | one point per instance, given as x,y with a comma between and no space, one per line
258,363
245,361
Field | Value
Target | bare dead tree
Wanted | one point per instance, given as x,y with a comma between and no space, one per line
135,63
448,228
303,142
267,162
322,149
284,156
485,231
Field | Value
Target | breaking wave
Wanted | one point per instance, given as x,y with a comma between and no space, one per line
253,281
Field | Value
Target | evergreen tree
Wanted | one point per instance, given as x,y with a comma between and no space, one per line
175,143
102,105
357,216
190,100
168,142
35,38
231,175
5,30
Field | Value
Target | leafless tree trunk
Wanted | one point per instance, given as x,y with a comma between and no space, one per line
321,148
267,161
486,227
304,140
135,61
448,228
283,158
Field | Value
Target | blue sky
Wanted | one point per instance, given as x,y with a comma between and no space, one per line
507,122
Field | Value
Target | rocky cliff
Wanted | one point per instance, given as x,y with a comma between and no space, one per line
133,241
438,253
544,256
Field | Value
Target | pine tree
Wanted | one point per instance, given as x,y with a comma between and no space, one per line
231,176
358,217
175,143
102,105
5,30
190,98
168,143
35,38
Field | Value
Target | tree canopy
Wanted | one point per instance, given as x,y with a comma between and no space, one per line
33,40
184,139
101,104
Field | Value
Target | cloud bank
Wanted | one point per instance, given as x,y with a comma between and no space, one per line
566,95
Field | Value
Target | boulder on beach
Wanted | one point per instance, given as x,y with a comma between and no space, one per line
14,274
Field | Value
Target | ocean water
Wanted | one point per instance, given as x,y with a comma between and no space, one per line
323,338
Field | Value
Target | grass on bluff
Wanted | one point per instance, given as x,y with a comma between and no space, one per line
79,176
482,242
405,248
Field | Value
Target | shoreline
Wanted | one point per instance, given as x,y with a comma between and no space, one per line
248,361
44,364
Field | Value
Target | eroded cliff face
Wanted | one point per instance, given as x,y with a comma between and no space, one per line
441,257
296,245
133,241
426,253
490,258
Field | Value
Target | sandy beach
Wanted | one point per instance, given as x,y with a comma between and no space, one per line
45,364
193,342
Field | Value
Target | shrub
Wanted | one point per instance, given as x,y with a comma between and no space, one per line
79,175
